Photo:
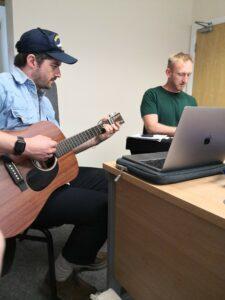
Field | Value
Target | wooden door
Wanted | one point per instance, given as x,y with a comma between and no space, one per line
209,70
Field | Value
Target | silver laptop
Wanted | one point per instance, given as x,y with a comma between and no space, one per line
199,140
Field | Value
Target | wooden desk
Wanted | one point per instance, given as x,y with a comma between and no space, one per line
167,242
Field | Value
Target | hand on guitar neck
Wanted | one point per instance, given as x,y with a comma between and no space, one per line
109,125
110,129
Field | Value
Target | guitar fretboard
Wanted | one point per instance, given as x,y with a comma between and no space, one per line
71,143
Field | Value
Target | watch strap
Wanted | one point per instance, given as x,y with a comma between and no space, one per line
19,146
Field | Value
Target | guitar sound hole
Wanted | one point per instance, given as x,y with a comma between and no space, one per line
45,165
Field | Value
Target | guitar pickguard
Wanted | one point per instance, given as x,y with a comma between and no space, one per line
38,179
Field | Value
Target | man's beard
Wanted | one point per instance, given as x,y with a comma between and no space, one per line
178,87
181,87
42,85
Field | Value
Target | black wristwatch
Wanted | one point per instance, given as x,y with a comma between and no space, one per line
19,146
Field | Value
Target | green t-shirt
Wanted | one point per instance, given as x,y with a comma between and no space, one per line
167,105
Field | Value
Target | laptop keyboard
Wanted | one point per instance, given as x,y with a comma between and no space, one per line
157,163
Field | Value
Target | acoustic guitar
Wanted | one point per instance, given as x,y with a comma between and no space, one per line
25,186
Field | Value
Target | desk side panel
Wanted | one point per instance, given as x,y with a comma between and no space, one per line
163,251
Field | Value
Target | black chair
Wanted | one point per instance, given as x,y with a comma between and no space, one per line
47,236
53,97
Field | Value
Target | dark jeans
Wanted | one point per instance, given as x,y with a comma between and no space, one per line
83,204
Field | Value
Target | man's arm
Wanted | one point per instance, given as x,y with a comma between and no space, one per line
154,127
38,147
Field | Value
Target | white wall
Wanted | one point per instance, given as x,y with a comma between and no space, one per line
122,47
207,10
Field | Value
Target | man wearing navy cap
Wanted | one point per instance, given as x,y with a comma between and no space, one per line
83,202
43,41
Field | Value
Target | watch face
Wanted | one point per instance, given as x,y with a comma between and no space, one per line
19,146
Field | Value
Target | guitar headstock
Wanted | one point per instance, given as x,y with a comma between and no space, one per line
115,118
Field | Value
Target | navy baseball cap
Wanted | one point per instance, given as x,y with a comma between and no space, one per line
43,41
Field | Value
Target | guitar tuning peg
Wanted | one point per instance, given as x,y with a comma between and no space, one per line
112,114
111,118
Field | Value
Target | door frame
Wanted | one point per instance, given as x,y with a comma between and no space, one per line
3,39
194,29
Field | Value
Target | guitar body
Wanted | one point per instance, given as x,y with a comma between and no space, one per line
19,208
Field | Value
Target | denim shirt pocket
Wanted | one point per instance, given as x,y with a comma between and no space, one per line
19,117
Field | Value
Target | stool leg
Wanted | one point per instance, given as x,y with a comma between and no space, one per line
9,255
51,263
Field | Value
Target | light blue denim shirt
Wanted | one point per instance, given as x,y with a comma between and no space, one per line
20,103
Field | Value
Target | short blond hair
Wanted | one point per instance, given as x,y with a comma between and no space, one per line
178,57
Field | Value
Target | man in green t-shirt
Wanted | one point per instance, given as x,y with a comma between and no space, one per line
161,107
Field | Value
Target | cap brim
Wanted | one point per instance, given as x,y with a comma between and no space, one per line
63,57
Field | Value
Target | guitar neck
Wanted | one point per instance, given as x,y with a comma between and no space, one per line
67,145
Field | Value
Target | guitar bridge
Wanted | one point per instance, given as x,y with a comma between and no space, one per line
14,173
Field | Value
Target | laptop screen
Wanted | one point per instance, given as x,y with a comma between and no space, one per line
199,139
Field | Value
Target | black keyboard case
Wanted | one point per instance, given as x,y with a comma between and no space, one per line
164,177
